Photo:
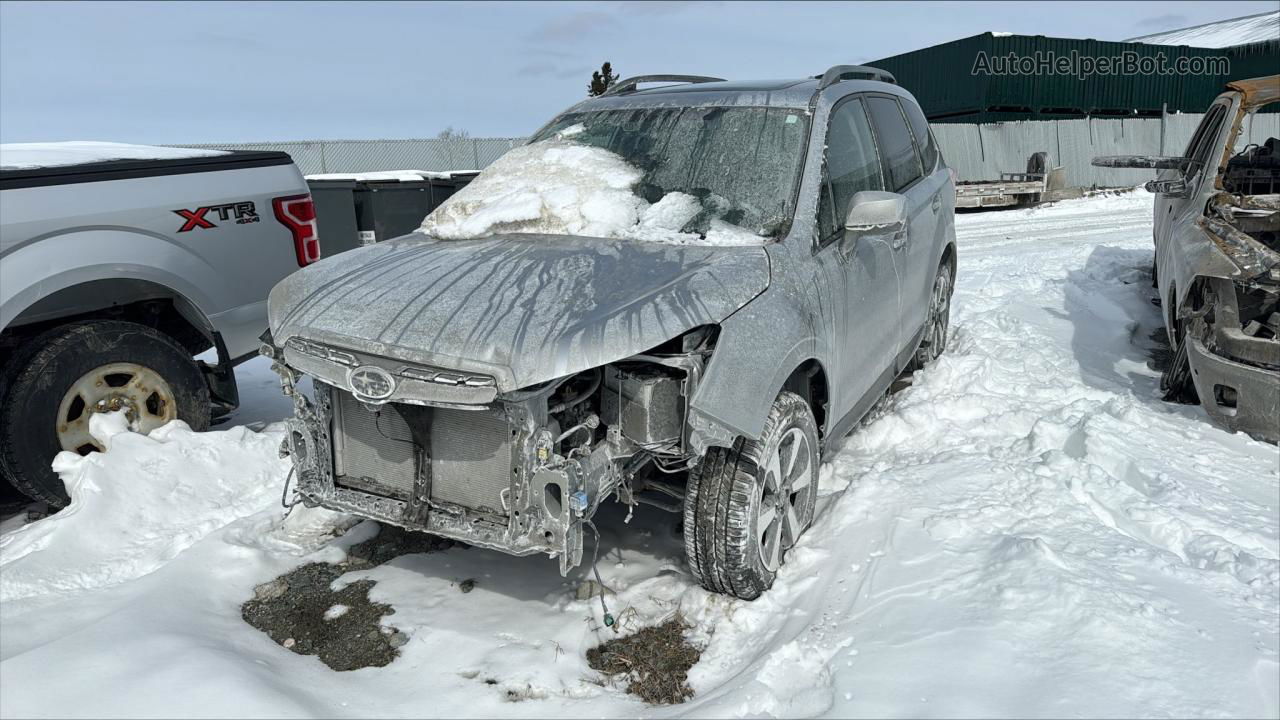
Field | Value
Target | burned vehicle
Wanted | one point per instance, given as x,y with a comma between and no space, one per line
1217,259
678,296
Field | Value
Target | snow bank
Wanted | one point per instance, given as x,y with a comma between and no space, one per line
28,156
140,504
559,187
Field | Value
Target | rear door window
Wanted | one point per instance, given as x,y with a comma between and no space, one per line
897,151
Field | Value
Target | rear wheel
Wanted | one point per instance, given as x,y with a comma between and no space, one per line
937,322
746,506
68,374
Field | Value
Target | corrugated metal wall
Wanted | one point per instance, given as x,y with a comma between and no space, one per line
977,152
943,79
982,152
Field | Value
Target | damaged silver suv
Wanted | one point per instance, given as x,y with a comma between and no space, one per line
681,296
1217,259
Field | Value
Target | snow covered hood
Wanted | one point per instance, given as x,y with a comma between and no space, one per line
524,308
28,156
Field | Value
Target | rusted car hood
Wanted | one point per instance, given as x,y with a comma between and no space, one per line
528,308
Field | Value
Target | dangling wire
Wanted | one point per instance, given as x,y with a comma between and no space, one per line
284,497
595,549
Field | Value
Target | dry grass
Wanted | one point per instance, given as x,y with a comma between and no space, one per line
655,661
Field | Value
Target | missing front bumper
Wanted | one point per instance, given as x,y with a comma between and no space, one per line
1238,396
456,474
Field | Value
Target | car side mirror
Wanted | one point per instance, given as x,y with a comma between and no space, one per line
876,211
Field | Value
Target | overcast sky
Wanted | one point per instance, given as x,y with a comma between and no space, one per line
232,72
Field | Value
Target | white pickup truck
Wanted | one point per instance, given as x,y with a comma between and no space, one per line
119,264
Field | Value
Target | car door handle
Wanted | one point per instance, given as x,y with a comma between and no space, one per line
937,203
899,239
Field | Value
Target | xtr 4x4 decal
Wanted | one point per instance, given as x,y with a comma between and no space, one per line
243,212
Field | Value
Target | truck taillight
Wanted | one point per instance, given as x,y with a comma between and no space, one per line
298,213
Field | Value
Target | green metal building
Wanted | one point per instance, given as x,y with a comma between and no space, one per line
963,81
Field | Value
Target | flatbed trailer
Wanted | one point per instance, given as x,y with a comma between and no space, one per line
1024,188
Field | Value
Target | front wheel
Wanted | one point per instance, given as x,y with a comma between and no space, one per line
70,373
1176,384
747,505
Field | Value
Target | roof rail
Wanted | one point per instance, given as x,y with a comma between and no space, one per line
853,72
629,85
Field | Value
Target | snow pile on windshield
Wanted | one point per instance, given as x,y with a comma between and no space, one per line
140,504
29,156
559,187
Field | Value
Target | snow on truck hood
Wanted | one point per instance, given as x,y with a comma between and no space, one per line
29,156
529,307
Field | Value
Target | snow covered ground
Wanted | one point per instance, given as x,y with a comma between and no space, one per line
1027,531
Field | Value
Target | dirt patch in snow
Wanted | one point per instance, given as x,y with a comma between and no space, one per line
655,662
302,612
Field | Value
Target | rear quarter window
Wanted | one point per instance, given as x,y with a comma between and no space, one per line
924,139
897,151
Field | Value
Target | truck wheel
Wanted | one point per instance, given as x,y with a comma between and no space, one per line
71,372
745,506
937,322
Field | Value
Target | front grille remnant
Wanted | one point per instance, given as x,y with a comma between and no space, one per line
374,450
471,463
383,451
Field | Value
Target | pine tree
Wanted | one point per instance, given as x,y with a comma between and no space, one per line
601,80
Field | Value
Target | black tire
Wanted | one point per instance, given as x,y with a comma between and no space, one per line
938,322
1038,163
728,491
1175,382
45,369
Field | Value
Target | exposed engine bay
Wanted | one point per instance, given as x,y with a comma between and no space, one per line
1255,170
1232,312
523,472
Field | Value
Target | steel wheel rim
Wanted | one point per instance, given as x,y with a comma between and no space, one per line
783,508
141,392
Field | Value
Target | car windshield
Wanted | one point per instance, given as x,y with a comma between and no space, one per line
741,163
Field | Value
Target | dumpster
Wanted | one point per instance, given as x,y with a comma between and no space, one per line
365,208
335,215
